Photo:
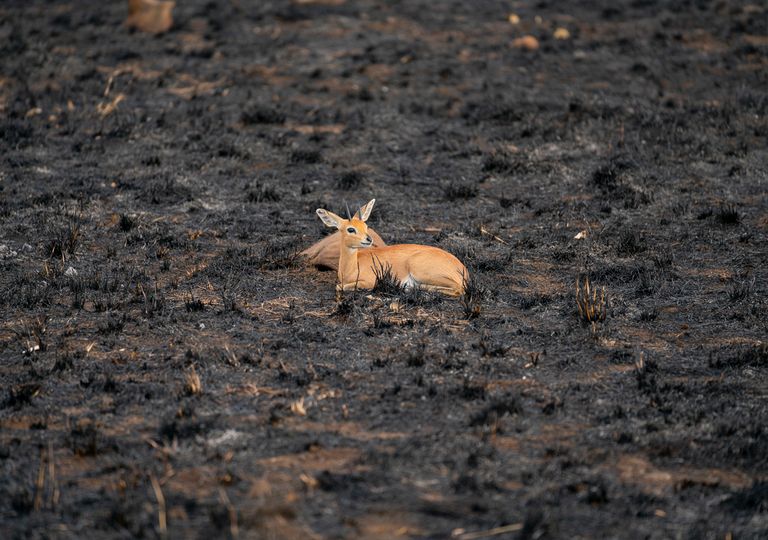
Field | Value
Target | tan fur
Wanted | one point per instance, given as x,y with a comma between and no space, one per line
428,267
324,254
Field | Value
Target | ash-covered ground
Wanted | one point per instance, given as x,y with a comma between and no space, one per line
169,367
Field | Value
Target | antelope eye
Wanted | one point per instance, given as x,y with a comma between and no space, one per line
351,230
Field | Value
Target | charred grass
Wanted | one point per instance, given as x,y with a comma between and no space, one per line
165,353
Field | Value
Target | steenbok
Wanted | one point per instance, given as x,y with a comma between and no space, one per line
412,265
324,254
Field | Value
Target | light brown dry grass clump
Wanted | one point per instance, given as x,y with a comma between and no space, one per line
590,301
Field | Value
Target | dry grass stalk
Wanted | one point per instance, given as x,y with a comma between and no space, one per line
40,483
234,531
162,519
486,232
106,108
192,383
496,531
47,468
298,408
310,482
640,362
590,301
55,493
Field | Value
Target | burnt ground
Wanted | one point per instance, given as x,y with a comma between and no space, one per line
168,365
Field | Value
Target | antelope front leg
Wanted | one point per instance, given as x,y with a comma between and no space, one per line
354,285
341,288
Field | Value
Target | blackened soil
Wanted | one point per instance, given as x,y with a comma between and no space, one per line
167,364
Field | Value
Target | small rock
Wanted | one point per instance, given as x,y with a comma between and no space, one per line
527,43
562,33
70,272
514,18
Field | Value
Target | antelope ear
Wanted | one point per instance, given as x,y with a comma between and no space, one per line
329,218
365,211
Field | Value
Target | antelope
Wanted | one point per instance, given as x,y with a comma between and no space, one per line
324,254
412,265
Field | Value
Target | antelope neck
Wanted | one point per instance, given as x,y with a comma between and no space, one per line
348,264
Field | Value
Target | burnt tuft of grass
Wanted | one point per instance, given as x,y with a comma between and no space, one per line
505,202
387,283
471,391
417,356
500,406
630,243
262,193
490,348
86,439
278,255
663,259
349,180
305,156
30,293
615,179
106,281
105,302
77,286
502,164
64,362
484,111
650,314
63,241
229,295
741,289
751,500
32,334
113,323
609,175
192,304
20,395
457,191
126,223
345,306
472,297
529,301
256,113
164,190
152,301
645,373
184,425
754,356
727,214
645,278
